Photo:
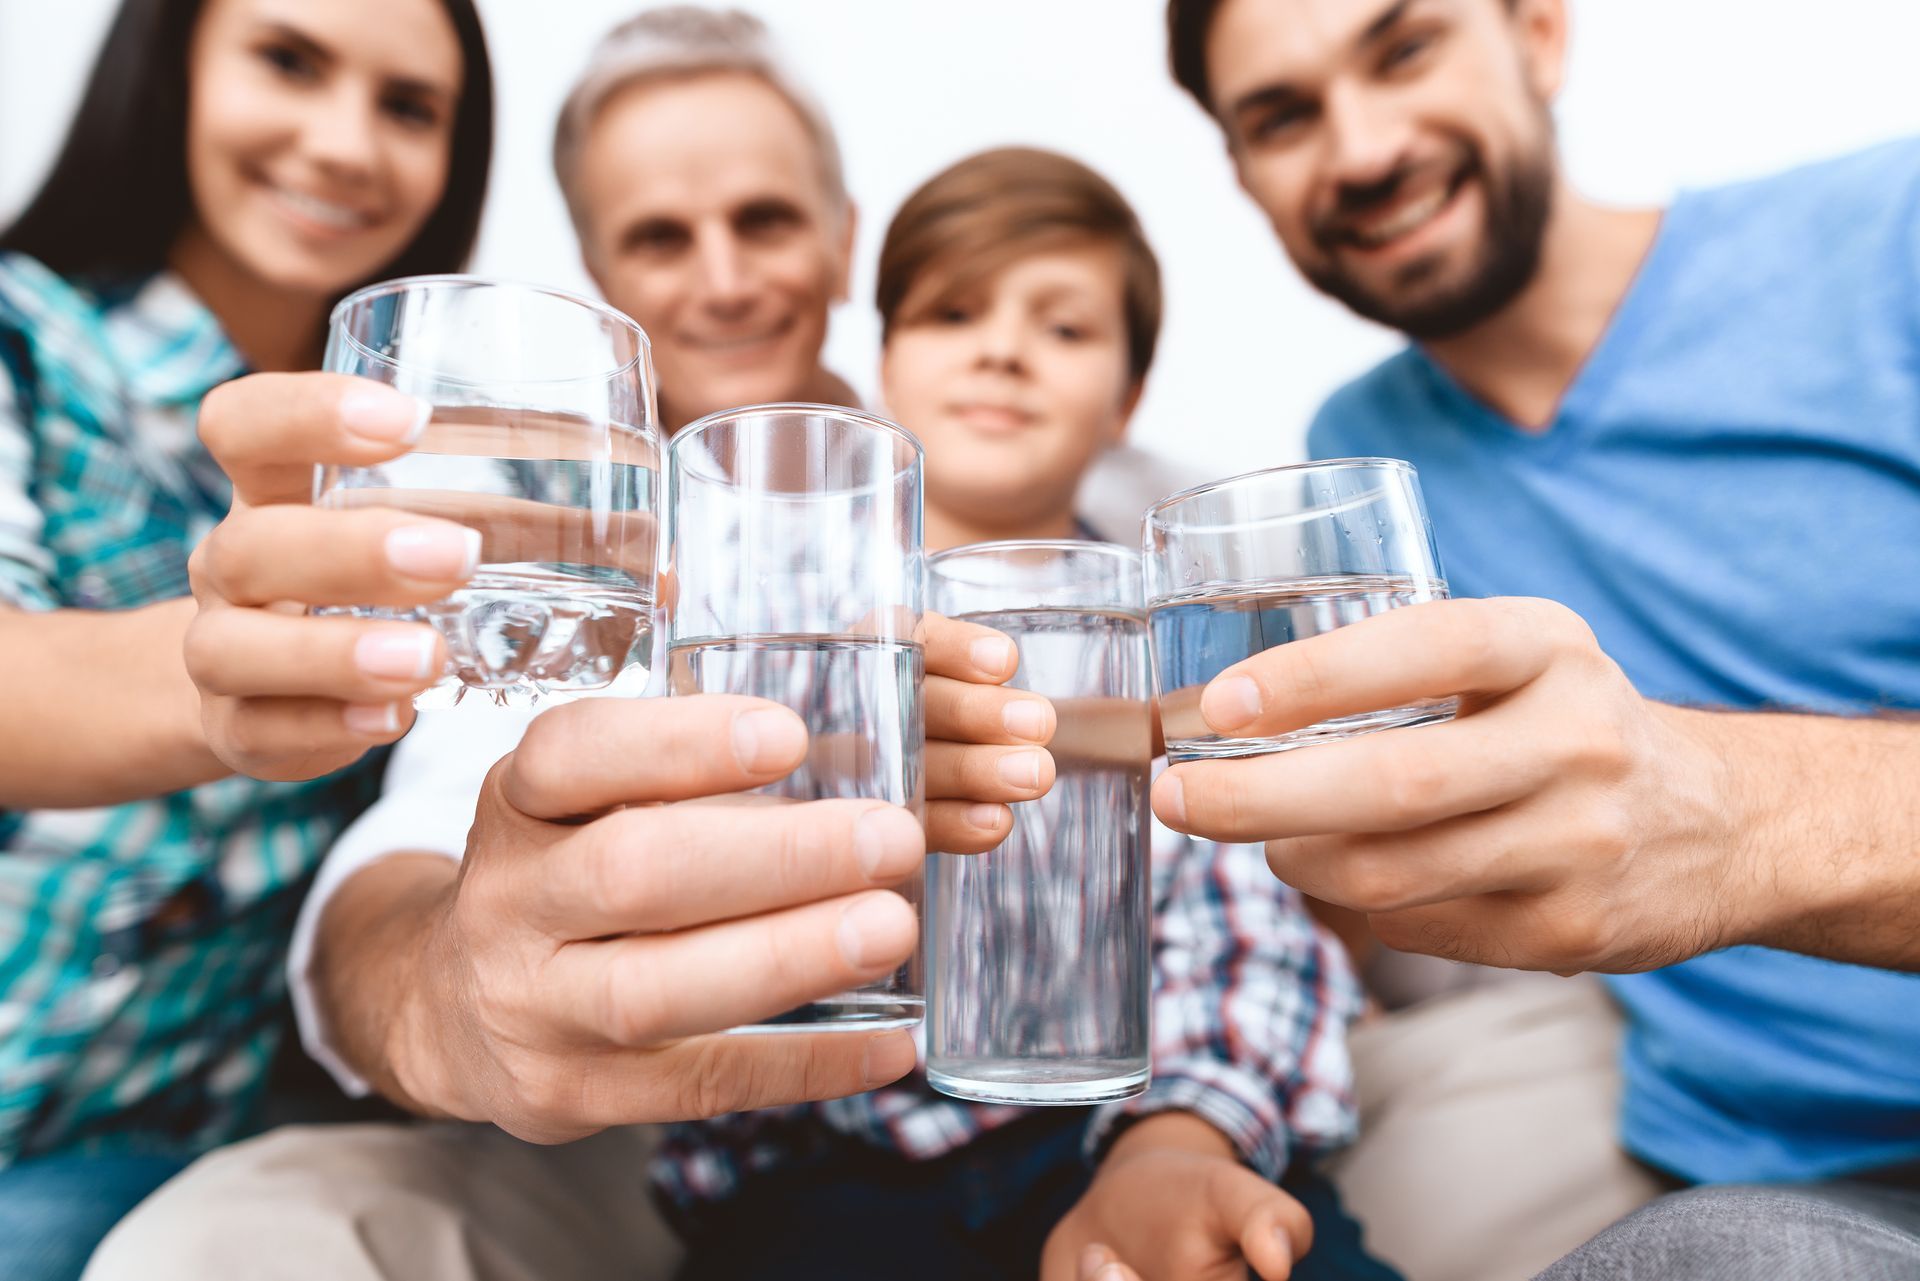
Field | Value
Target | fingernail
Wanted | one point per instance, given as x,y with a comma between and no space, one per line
396,653
1029,718
1111,1272
1286,1240
768,739
383,414
1090,1260
888,843
869,931
1170,797
1021,770
1228,704
447,553
371,718
985,817
888,1058
994,654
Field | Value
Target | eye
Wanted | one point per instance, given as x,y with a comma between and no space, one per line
952,314
292,63
1068,332
766,221
1402,54
656,239
411,110
1278,122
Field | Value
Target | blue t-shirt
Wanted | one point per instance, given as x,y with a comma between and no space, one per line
1730,495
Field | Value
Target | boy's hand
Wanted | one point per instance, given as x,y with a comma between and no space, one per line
1171,1203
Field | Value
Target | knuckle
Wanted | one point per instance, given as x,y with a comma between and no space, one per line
1375,883
633,1010
1414,783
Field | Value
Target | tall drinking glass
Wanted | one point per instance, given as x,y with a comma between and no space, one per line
542,440
1038,965
795,573
1242,565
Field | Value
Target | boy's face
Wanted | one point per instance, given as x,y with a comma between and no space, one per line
1402,149
1014,386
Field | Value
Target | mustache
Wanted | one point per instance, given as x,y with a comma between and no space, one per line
1352,201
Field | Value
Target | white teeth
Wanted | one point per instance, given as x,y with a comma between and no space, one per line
321,211
1408,219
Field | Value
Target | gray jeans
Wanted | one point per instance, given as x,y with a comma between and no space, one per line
1849,1230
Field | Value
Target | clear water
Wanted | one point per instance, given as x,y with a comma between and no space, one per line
1039,978
860,698
1199,634
525,636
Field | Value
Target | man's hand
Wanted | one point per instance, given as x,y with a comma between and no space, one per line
577,972
1171,1203
1561,822
285,696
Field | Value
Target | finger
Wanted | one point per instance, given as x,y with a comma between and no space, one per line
992,774
969,713
967,651
1272,1228
1100,1263
1387,781
268,431
673,867
645,989
282,739
1432,650
1495,852
253,652
372,556
581,758
966,827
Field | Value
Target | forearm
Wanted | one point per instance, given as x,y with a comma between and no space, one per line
102,708
1824,832
369,971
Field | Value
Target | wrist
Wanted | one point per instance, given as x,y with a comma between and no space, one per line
1171,1132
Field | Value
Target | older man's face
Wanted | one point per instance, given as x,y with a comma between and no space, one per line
1402,149
708,221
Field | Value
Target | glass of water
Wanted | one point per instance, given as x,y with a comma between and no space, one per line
543,439
795,572
1038,960
1244,564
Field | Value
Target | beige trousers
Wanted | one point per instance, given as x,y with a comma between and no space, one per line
426,1202
1488,1130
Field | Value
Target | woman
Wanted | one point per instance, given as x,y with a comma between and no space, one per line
235,167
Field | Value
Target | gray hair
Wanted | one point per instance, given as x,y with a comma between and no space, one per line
679,42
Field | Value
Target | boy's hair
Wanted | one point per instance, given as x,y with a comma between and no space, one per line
976,217
680,42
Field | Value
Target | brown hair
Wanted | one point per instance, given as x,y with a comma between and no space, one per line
973,218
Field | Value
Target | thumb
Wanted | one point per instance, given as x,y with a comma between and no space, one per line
1100,1263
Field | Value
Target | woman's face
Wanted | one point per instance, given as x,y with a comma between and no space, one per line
319,133
1016,387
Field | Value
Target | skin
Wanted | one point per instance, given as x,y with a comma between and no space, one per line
707,219
348,104
1561,822
1014,392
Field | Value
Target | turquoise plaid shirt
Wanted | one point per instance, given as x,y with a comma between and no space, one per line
142,946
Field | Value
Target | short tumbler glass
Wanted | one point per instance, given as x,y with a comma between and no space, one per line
1038,963
795,573
543,440
1242,565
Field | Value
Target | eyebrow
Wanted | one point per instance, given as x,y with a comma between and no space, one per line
1285,92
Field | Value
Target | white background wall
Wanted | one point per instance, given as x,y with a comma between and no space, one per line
1662,94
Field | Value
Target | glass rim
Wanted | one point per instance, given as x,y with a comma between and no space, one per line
404,284
1159,508
1098,546
859,417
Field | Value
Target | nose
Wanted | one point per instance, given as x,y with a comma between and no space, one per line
726,277
1002,340
1368,136
340,133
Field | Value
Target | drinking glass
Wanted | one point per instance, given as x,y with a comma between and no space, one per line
1038,964
795,572
543,439
1242,565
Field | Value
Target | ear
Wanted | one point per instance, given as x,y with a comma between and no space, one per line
1541,27
843,286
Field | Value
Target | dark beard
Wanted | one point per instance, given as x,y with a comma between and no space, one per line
1508,256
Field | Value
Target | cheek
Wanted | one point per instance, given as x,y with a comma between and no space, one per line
420,169
913,374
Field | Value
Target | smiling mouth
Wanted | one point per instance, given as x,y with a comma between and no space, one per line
992,418
722,345
329,215
1410,216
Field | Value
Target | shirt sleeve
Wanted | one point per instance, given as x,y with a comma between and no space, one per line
426,805
1251,1004
26,566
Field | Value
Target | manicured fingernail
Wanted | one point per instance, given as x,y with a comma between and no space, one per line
396,653
888,843
888,1058
1230,703
1021,769
768,739
371,718
441,553
383,414
1029,718
994,654
1170,800
871,931
986,817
